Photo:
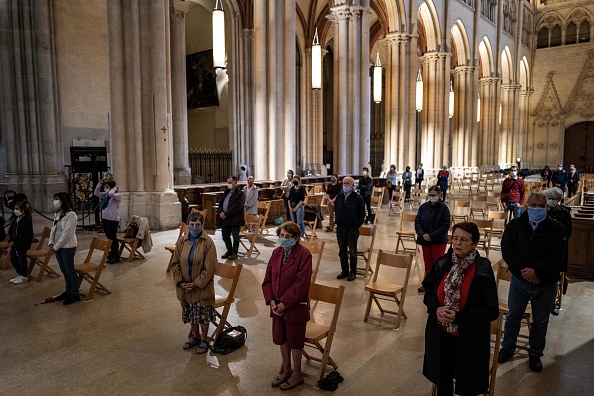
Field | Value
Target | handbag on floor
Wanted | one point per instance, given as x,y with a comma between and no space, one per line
230,340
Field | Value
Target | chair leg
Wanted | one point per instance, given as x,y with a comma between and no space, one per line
170,264
368,309
6,262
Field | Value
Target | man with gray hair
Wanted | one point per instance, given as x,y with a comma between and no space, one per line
562,214
534,247
350,215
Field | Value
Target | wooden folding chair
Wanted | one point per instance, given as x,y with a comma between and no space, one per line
560,291
499,219
310,223
485,227
407,234
5,250
504,274
263,210
396,201
91,271
41,257
317,249
389,291
225,271
249,232
365,252
316,332
460,211
183,230
377,200
131,244
478,204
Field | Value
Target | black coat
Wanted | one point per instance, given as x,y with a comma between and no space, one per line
433,220
349,213
21,233
474,326
543,249
234,216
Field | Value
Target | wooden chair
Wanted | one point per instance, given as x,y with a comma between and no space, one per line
231,272
131,244
499,219
250,232
485,227
317,249
377,200
478,204
396,201
460,211
41,257
416,197
310,223
407,234
316,332
183,230
504,274
366,251
91,271
263,210
5,250
560,291
389,291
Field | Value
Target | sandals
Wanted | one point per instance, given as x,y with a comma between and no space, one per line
202,349
192,343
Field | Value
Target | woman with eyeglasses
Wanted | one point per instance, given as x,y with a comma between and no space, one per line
286,291
461,299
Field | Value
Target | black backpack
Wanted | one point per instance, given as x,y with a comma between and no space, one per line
230,340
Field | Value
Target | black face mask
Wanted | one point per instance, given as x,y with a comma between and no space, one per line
296,183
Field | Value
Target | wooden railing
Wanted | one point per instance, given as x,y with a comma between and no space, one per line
215,166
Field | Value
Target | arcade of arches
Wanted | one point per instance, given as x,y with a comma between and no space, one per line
114,71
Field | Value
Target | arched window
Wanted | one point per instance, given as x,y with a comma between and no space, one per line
555,36
584,32
571,33
543,38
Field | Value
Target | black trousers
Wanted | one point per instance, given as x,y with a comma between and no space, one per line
110,227
287,211
228,230
447,365
367,200
347,238
18,259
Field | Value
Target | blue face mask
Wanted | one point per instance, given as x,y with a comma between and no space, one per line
195,231
537,214
287,243
347,189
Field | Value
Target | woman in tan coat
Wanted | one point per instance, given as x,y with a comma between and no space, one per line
195,282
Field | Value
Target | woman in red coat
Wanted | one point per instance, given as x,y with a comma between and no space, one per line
286,290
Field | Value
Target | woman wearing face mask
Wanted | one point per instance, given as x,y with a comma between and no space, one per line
546,175
286,291
21,237
407,182
332,191
431,225
442,181
562,214
392,179
62,241
296,201
193,268
110,197
286,189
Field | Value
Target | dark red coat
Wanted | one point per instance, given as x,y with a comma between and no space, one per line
289,283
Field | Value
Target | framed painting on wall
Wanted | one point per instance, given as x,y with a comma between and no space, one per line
201,80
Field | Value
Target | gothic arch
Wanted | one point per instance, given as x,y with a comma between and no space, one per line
507,66
579,15
486,58
428,16
395,15
524,74
549,20
460,41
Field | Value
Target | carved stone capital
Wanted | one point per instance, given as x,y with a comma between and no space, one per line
339,14
177,10
463,70
511,87
247,33
488,80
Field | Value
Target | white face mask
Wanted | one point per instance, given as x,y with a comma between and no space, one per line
57,203
551,203
364,173
17,212
229,186
513,173
434,199
573,171
560,169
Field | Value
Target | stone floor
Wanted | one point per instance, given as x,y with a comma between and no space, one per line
129,342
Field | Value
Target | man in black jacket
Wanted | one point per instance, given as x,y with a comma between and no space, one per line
533,246
366,191
350,215
231,213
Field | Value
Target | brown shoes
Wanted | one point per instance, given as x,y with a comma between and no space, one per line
288,386
278,381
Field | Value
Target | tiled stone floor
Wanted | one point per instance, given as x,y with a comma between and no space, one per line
129,342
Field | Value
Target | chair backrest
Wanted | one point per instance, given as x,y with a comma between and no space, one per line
407,218
503,272
232,272
330,295
397,197
395,260
482,224
316,248
44,235
99,244
495,215
377,196
252,220
462,204
264,208
368,231
183,230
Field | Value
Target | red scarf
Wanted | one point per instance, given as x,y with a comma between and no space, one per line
453,283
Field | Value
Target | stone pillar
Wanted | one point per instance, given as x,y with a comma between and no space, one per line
464,120
244,90
140,89
365,88
508,141
525,137
342,151
179,111
29,102
489,124
313,125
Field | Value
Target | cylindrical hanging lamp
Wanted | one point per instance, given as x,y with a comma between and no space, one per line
218,36
377,80
451,107
478,108
316,63
419,92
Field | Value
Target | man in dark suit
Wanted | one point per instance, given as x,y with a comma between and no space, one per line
231,214
350,215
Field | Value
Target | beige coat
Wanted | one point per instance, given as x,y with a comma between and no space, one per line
203,270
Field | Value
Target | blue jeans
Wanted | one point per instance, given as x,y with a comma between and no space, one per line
541,298
297,217
511,206
65,257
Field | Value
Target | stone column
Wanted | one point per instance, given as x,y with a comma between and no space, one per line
29,102
464,120
524,135
365,88
179,110
313,125
489,124
244,89
508,142
393,101
261,151
354,88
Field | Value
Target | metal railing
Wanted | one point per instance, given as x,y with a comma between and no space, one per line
213,165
